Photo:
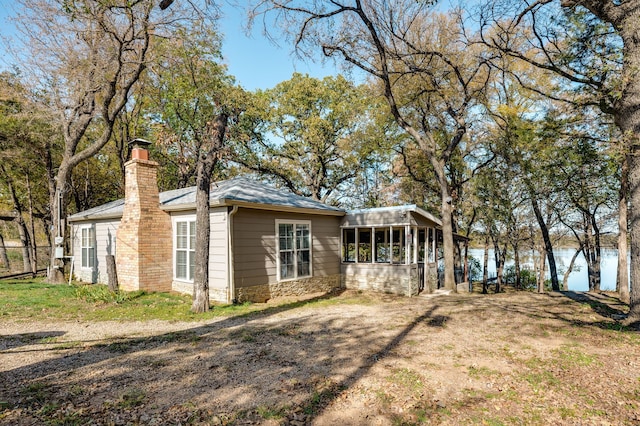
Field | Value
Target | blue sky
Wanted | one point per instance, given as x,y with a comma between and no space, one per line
255,61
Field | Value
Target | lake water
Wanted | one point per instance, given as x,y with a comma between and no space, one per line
578,280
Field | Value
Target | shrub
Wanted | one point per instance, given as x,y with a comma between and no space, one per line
93,293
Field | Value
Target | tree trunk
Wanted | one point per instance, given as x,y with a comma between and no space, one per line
592,251
565,279
500,273
33,248
516,262
597,254
56,201
588,251
23,232
24,240
500,258
548,246
4,258
447,234
634,216
112,273
466,266
206,164
542,269
203,233
627,118
622,282
485,265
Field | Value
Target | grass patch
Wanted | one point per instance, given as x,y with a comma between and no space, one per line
68,345
478,372
23,300
132,398
384,398
406,378
275,413
102,294
36,391
541,380
567,413
569,357
322,396
244,335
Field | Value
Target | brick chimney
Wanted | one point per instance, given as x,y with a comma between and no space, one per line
143,239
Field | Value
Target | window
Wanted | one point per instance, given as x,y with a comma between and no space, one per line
398,248
349,245
185,245
88,247
294,250
422,243
431,245
364,245
382,245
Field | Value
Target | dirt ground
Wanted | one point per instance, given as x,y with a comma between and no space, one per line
514,358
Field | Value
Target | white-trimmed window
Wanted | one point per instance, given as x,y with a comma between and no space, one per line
294,249
88,244
185,249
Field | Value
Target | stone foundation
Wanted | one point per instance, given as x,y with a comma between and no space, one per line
262,293
385,278
432,279
403,286
215,294
462,287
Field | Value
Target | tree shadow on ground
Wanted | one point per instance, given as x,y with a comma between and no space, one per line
604,305
224,363
275,361
24,339
314,406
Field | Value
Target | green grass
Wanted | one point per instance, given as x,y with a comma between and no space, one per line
23,300
132,398
569,357
478,372
268,413
407,378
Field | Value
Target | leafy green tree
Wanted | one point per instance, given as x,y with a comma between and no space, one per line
315,136
26,141
185,84
587,179
195,103
594,46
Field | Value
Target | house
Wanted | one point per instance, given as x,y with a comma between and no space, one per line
265,242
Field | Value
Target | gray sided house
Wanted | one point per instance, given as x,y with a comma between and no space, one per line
265,242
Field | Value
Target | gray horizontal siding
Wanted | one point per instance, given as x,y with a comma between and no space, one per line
254,241
105,243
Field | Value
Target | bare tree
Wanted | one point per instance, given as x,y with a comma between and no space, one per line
429,76
86,56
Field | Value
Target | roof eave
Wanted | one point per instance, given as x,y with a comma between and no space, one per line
74,218
428,215
286,209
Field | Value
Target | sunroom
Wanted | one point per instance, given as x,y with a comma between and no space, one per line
391,250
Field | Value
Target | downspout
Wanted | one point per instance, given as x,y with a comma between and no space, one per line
230,263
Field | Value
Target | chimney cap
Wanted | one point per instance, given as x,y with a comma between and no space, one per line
139,143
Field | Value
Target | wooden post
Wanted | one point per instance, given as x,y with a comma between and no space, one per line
112,273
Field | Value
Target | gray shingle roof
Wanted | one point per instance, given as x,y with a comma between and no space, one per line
386,216
239,190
